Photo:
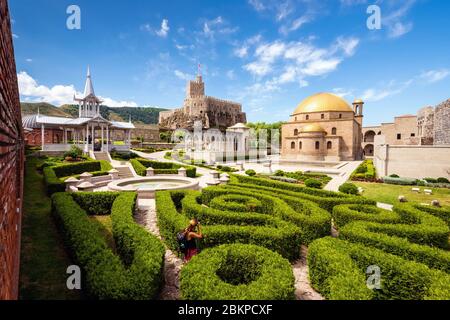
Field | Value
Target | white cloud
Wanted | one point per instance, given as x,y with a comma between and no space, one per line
299,60
433,76
242,51
295,25
257,5
164,31
58,94
183,76
15,36
399,29
217,26
387,90
230,74
29,60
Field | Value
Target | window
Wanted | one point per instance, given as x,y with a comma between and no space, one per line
329,145
295,118
322,116
317,145
300,145
334,131
340,115
292,145
307,117
399,136
413,135
296,132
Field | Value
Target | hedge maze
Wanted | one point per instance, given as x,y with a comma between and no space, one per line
281,217
141,165
135,271
409,245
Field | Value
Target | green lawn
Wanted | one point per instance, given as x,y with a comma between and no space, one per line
44,260
388,193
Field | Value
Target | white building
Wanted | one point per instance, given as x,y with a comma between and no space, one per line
90,131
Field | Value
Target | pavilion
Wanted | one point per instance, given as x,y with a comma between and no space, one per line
90,131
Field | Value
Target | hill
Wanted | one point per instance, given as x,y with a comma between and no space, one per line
145,115
44,108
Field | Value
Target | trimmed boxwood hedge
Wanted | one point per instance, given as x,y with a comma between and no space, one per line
365,172
337,268
140,165
409,244
266,229
136,273
323,198
237,272
54,176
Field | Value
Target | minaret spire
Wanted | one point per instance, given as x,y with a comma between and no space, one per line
88,88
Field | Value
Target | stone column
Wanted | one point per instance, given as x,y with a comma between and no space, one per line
150,172
107,138
103,142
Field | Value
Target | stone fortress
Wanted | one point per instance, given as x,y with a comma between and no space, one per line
212,112
430,127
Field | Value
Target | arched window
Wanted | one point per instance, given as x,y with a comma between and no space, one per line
307,117
322,116
292,145
334,131
329,145
296,132
300,145
340,115
317,145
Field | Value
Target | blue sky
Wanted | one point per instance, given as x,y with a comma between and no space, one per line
268,55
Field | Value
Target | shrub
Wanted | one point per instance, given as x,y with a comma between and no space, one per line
237,272
399,181
349,188
312,183
365,172
54,176
135,274
430,180
442,180
95,203
140,165
250,172
284,179
279,173
74,152
337,269
394,176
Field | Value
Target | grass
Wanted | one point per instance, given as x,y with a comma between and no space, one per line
388,193
44,260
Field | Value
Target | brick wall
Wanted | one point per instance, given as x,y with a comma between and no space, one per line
11,162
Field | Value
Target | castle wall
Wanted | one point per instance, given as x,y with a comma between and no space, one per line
442,124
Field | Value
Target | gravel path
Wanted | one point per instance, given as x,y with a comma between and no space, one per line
172,263
303,289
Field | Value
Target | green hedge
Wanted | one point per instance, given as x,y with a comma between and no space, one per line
224,227
134,274
96,203
140,165
325,199
409,244
400,181
365,172
54,176
237,272
337,268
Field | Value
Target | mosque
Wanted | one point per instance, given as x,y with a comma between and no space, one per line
324,127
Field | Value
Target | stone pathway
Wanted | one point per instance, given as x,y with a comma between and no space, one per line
303,289
172,263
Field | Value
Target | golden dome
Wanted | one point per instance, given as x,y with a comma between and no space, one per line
312,128
323,102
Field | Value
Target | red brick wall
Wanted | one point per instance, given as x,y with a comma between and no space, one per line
34,138
11,162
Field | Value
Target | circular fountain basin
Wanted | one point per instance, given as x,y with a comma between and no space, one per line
147,186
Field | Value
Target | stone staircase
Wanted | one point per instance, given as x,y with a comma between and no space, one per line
102,156
124,172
